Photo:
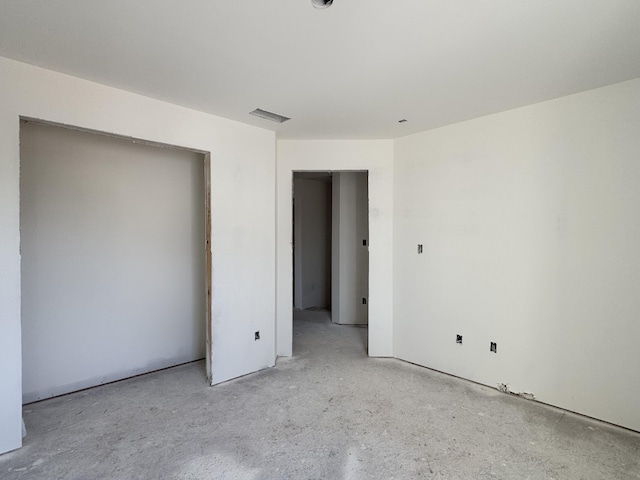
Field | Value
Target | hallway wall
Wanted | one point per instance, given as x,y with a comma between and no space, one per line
312,238
350,262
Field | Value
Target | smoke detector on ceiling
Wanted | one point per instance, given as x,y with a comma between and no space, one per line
321,3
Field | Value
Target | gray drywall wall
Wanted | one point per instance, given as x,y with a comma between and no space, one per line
297,199
531,233
350,263
113,266
336,281
312,240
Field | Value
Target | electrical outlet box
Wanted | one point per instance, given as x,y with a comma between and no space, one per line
257,335
459,339
494,347
419,248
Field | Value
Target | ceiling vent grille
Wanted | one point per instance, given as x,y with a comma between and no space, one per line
274,117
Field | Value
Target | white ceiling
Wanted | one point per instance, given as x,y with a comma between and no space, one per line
350,71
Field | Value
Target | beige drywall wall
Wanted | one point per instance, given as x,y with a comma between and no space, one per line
375,157
113,259
350,263
529,221
242,210
312,239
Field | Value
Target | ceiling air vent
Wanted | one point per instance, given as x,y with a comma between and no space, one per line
274,117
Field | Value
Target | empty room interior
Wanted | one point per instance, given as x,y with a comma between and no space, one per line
319,239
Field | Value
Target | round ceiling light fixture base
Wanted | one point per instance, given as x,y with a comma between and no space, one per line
321,3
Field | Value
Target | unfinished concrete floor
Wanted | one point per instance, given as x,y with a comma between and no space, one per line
329,412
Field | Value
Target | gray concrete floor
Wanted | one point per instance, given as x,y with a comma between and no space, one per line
327,413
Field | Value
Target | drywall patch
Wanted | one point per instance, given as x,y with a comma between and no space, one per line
504,388
527,395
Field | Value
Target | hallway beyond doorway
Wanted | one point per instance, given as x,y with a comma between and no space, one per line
312,327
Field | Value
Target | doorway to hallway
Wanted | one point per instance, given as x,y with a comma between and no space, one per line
331,245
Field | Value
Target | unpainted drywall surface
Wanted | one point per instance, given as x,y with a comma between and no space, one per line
297,243
375,157
350,236
113,259
242,210
529,221
336,282
312,239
